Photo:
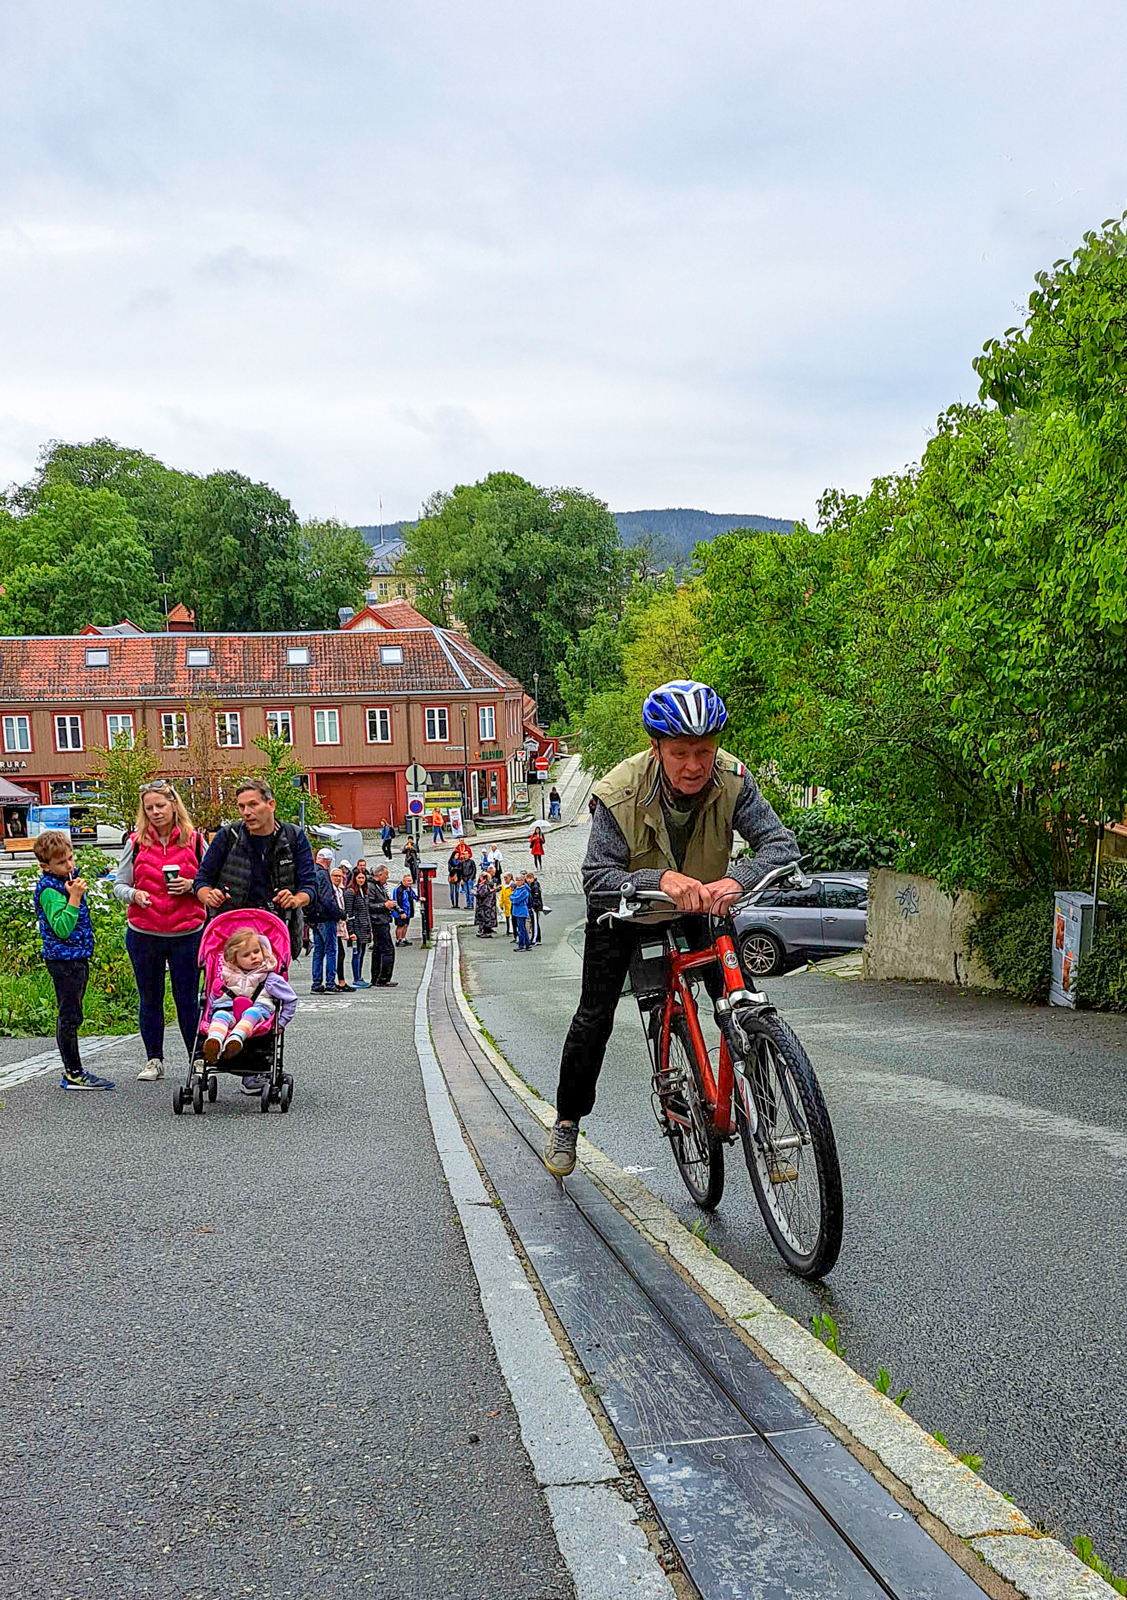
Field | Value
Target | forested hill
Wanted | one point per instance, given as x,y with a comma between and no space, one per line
683,528
677,530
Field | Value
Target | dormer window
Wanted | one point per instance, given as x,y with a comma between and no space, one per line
97,656
391,655
199,655
297,656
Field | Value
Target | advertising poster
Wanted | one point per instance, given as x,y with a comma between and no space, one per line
454,821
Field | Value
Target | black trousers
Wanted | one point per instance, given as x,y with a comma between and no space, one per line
70,979
383,952
606,962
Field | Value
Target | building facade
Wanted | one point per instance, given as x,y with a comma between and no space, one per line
358,706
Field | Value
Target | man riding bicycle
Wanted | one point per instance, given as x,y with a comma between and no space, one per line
663,819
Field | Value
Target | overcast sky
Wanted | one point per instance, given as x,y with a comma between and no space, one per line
712,255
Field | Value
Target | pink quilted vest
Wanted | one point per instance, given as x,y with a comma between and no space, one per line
168,913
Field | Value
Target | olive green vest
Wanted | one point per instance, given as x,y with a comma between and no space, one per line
631,793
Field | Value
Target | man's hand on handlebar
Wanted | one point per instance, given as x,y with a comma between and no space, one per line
725,892
687,894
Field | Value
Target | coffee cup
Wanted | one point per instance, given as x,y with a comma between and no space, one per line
171,873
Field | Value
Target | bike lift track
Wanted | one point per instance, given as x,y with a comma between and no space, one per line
760,1500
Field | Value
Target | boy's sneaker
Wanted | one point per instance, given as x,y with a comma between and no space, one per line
86,1080
153,1069
559,1152
318,988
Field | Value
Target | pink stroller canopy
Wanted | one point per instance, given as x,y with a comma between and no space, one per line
220,928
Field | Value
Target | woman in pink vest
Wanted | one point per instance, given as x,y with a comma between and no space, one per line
158,867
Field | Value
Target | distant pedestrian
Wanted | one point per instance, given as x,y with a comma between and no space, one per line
154,880
469,873
554,803
505,902
405,898
485,912
520,912
322,914
411,860
387,834
454,877
535,906
436,822
336,878
358,916
383,908
536,845
67,934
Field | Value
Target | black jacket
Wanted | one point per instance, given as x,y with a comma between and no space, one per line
323,906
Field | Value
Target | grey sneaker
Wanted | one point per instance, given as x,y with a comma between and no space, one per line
153,1069
559,1152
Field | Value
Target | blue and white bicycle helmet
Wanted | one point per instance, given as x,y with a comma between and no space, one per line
683,709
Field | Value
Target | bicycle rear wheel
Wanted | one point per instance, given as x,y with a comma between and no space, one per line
687,1116
788,1145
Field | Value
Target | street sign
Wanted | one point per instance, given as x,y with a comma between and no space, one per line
416,803
417,777
543,764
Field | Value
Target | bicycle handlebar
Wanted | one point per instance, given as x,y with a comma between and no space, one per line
631,901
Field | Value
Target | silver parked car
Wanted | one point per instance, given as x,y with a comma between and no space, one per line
826,918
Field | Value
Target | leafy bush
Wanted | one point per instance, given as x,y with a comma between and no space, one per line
27,995
1014,940
1101,983
836,840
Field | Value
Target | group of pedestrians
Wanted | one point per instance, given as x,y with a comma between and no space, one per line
490,891
355,910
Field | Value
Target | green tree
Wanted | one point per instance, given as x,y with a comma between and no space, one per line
239,559
334,572
287,777
523,568
120,773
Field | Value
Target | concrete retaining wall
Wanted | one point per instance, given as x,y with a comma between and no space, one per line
917,931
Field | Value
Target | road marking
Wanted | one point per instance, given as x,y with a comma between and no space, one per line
50,1060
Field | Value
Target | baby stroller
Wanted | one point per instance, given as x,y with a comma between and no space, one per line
264,1053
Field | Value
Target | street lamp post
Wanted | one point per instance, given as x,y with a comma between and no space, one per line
465,765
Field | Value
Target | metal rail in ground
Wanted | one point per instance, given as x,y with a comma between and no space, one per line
761,1501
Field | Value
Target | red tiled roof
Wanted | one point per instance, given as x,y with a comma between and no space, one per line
180,613
388,614
245,666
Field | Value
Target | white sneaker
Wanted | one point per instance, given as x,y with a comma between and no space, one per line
151,1070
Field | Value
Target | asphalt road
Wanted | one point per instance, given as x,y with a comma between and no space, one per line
984,1153
246,1354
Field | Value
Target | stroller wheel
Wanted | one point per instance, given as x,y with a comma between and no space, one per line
177,1100
212,1087
284,1097
197,1097
266,1096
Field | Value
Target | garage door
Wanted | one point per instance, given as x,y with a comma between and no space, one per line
359,800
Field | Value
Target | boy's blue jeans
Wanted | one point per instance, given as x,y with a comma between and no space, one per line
70,979
521,925
324,953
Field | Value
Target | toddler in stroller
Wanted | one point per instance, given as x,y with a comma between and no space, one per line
245,1004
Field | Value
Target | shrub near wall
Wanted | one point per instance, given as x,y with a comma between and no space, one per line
27,995
1015,943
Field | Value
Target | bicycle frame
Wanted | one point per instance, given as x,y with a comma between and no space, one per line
718,1086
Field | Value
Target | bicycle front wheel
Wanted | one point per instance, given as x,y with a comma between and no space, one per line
788,1145
685,1113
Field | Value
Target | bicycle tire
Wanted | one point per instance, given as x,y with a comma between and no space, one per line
701,1164
781,1081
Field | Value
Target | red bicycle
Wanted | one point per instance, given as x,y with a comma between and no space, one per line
762,1090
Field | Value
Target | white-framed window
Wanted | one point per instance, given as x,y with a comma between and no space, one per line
297,656
174,730
401,590
228,729
98,655
17,733
326,725
379,725
438,725
381,590
68,732
391,655
279,725
198,655
486,724
119,724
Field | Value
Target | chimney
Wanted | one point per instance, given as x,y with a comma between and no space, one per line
345,614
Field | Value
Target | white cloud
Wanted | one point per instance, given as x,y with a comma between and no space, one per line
717,256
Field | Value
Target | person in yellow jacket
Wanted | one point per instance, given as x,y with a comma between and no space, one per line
505,902
663,819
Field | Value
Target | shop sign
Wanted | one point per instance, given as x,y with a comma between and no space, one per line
492,755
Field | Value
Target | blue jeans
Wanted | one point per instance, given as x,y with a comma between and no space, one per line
454,887
149,955
439,837
324,952
521,925
468,887
554,810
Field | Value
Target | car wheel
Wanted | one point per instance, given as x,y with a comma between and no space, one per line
762,954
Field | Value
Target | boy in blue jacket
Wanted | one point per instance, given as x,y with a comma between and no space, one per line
68,943
520,904
405,898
